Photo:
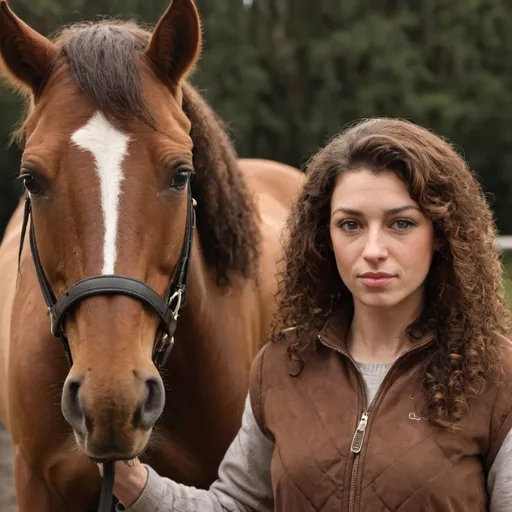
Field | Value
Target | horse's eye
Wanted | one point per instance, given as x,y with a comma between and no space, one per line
31,183
180,177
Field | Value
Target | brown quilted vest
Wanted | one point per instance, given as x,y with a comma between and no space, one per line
330,456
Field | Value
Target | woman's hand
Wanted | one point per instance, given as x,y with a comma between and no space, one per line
130,480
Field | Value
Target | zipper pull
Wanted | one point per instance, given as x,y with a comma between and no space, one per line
357,441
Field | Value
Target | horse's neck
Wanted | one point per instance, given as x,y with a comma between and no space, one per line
218,329
209,368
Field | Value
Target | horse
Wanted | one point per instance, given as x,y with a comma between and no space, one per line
137,210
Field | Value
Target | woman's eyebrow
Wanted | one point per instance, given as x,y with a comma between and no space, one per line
391,211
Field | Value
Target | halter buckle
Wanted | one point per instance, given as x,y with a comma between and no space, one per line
163,350
52,322
176,296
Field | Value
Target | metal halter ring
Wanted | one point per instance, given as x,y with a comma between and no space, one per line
50,314
177,295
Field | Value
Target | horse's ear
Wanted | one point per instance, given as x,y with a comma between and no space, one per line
176,41
27,55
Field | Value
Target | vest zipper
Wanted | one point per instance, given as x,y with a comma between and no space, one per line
359,435
357,444
357,441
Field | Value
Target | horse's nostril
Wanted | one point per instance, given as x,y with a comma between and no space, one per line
151,404
153,394
70,403
74,387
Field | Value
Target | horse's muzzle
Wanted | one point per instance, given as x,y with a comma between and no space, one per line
116,424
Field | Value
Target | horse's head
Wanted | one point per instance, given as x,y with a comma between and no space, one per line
106,163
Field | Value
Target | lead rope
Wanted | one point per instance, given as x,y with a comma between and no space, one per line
107,486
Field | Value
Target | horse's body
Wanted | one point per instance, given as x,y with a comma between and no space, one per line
219,332
216,340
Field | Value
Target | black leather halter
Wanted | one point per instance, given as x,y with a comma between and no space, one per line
167,308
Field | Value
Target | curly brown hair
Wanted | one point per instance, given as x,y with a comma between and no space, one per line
465,302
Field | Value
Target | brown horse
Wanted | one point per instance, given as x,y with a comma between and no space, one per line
113,139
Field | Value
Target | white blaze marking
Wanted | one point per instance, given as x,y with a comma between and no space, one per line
109,147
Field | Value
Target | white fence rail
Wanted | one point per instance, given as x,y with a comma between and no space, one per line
505,242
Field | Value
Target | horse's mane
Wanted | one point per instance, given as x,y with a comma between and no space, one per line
226,213
103,59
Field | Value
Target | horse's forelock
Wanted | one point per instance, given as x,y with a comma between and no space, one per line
102,58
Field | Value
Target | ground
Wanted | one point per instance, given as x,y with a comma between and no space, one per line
7,495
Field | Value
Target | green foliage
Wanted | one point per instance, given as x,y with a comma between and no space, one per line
286,75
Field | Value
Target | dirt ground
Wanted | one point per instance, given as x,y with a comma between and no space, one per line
7,495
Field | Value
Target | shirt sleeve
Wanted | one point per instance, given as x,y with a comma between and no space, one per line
499,479
243,483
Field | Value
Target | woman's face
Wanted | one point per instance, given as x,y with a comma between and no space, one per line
382,243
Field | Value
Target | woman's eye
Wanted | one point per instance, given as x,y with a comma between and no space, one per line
31,184
349,225
180,178
402,224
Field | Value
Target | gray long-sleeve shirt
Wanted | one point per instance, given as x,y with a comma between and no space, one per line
244,484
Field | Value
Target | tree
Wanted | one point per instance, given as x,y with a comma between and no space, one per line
286,75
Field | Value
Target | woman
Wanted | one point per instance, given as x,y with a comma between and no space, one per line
387,384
